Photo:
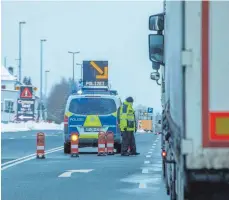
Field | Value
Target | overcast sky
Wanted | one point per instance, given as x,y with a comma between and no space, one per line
113,31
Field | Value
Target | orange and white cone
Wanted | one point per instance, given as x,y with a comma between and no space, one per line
110,143
40,145
75,144
101,144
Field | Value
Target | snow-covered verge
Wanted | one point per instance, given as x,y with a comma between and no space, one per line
13,127
140,131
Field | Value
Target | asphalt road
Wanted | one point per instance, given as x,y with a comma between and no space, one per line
93,177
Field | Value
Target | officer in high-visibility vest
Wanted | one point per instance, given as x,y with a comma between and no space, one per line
127,124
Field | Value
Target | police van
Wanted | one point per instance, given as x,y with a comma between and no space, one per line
89,112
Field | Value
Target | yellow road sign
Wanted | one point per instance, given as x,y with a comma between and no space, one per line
102,74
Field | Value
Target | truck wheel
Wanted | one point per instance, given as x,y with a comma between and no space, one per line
67,147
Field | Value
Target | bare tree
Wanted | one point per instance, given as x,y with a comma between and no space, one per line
57,100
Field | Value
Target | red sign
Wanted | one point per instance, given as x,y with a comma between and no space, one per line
26,92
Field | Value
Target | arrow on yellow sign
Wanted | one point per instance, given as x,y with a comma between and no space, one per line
103,74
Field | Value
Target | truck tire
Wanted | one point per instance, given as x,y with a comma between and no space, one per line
67,149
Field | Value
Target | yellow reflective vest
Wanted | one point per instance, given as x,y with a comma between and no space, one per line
126,117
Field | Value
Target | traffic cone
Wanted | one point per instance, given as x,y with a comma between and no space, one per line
110,143
101,144
75,144
40,145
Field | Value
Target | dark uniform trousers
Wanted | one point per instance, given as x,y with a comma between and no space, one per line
128,140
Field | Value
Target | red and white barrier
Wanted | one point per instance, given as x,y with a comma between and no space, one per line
75,144
40,145
110,143
101,144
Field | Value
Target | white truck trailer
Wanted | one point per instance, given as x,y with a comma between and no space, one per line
190,49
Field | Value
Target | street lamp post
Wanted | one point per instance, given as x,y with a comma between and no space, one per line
73,63
20,24
81,65
46,80
41,68
41,76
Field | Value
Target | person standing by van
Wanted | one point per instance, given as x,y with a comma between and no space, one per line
127,124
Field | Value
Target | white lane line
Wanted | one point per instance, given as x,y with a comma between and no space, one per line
11,138
30,158
148,156
23,136
146,162
69,172
142,185
5,163
154,144
145,171
150,152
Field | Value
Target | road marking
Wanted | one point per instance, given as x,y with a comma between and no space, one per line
23,136
147,162
69,172
5,163
11,138
145,171
150,152
27,158
151,149
142,185
148,156
154,144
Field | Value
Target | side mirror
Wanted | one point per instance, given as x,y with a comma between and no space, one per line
156,48
155,65
155,76
156,22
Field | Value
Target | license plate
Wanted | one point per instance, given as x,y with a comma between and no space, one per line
91,129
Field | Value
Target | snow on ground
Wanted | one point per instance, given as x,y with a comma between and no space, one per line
13,127
140,131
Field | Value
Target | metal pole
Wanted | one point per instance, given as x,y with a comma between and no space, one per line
5,62
20,23
82,72
46,80
73,67
41,69
73,64
81,68
41,75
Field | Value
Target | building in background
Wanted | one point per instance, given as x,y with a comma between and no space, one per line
9,94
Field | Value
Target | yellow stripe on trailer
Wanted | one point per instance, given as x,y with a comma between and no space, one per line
222,125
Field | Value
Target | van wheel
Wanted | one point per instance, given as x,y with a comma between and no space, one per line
118,148
67,149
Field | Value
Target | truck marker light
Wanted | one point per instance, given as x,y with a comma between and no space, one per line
164,154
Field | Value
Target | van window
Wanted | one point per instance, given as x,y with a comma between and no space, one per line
92,106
